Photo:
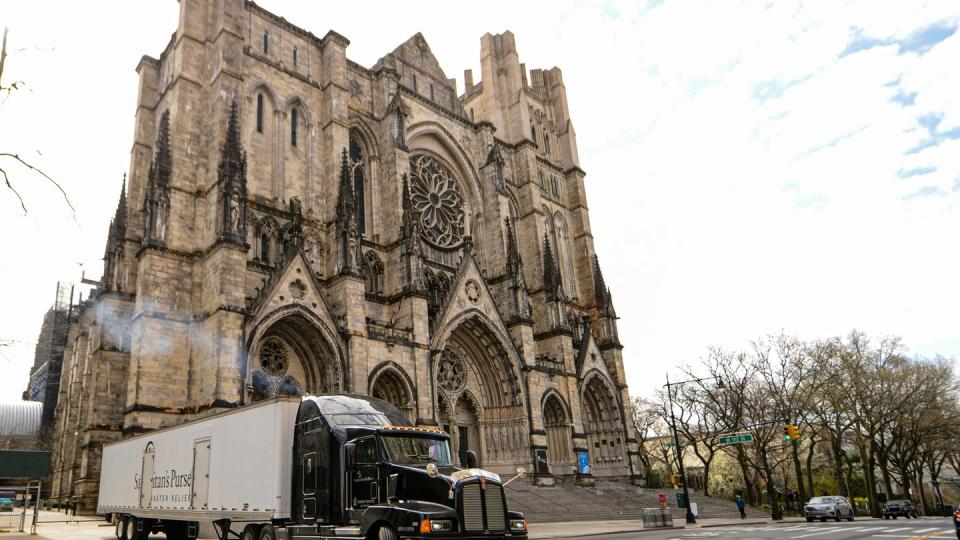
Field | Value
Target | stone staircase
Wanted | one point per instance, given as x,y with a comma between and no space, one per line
607,500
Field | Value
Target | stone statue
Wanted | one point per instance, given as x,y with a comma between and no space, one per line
234,211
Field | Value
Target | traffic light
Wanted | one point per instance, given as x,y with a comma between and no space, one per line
791,432
786,432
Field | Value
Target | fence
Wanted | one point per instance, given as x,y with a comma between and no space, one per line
68,510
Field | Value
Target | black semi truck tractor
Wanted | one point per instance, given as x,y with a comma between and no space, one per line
329,466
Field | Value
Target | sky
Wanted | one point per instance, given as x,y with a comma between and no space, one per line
752,167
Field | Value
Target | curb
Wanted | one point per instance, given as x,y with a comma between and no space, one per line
606,533
708,525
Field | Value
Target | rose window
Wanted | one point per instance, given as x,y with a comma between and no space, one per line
436,200
273,357
451,375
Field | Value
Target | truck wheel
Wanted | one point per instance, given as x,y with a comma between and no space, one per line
266,533
386,533
134,534
120,528
175,530
249,533
129,529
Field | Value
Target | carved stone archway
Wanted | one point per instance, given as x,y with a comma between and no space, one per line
477,382
602,425
389,383
557,424
290,354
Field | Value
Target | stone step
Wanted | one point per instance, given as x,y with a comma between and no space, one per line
607,500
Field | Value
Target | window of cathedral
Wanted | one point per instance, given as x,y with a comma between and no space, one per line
451,373
533,133
437,201
259,113
293,127
431,93
543,182
554,186
273,357
414,82
358,166
294,54
373,269
266,42
546,144
265,248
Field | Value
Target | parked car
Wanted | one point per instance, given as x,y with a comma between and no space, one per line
895,509
6,504
834,507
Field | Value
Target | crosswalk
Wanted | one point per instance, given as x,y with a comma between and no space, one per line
906,531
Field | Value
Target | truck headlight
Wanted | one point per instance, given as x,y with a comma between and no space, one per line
518,525
428,526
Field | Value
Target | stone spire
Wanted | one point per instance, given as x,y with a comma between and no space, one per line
552,283
521,298
602,294
156,203
232,178
347,221
113,254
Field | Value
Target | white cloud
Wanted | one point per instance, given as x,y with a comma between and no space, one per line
743,177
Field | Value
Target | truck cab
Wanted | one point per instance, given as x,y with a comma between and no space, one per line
361,469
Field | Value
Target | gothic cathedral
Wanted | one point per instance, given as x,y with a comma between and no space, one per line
296,223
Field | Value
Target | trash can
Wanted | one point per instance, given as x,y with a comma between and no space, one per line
657,517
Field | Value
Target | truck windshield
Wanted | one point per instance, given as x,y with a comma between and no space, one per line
408,449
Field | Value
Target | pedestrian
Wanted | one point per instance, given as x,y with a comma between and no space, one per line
742,505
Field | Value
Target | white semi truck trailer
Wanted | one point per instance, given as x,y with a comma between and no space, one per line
317,467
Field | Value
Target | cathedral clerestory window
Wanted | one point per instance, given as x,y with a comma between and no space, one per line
259,113
358,166
266,43
293,127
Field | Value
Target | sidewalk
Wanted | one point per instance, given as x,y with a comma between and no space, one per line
569,529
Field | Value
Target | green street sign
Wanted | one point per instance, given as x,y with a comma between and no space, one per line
739,438
671,444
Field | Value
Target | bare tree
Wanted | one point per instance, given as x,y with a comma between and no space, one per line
12,158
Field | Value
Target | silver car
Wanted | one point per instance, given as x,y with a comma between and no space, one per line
834,507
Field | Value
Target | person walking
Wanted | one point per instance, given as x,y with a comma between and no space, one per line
742,505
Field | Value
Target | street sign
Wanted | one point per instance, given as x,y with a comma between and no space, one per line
739,438
671,444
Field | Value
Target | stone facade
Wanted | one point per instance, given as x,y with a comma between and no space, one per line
295,223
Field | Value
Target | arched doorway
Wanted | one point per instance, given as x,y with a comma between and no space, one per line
291,356
480,396
557,425
390,385
602,426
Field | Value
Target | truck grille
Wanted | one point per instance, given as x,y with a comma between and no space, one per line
483,509
472,508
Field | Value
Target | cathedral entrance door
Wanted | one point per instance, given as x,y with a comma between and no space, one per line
464,436
468,431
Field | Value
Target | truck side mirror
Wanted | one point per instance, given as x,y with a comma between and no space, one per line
471,459
350,454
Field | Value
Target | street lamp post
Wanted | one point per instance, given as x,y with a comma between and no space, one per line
676,442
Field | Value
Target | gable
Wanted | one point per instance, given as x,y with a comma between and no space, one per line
415,54
590,358
294,284
469,293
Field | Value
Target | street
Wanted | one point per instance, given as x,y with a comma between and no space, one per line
873,529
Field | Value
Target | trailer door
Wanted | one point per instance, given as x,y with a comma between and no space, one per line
146,476
201,474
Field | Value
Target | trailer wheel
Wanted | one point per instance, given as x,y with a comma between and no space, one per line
175,530
137,529
266,533
386,532
120,527
129,528
249,533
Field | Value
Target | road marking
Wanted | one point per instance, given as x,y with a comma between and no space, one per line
925,530
828,531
